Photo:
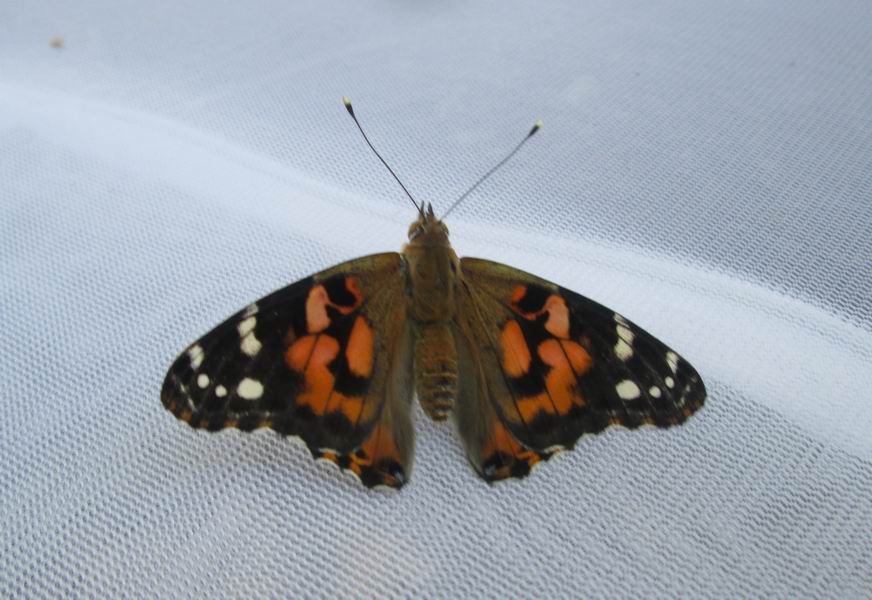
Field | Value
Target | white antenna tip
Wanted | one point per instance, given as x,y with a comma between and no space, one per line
538,123
346,101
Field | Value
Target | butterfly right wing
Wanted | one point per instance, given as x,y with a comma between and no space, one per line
326,359
543,365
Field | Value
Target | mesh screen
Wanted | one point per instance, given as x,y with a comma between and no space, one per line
704,169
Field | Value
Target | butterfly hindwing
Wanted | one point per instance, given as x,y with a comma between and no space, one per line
492,449
385,457
325,359
552,365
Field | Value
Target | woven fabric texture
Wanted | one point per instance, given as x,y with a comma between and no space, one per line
705,169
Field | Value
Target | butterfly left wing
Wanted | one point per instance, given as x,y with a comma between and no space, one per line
326,359
543,365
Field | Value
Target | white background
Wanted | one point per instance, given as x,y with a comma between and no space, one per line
705,168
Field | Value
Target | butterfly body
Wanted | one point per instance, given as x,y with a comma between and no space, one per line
525,366
432,272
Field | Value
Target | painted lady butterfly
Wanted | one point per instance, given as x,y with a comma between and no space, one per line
526,366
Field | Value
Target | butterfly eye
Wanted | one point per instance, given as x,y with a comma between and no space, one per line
416,232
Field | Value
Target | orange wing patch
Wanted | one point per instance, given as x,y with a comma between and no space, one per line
505,457
516,354
525,304
360,348
567,360
311,356
376,462
545,381
318,301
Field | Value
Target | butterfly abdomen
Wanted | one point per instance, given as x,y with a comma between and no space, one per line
436,369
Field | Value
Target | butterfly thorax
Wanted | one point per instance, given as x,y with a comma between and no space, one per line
432,271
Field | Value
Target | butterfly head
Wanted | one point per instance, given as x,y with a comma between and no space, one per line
428,230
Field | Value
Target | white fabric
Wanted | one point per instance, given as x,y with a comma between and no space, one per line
704,168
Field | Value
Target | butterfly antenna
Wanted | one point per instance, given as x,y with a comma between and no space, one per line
350,110
536,127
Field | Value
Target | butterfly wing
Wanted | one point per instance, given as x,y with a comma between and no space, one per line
327,359
545,365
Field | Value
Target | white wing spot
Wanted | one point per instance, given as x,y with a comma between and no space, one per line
220,391
203,381
625,334
621,320
250,389
624,348
654,391
672,360
670,383
250,310
246,326
628,390
195,353
250,345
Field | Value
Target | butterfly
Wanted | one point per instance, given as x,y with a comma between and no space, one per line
525,366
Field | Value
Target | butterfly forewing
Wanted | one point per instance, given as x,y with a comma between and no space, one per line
642,381
319,359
